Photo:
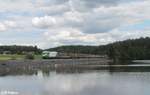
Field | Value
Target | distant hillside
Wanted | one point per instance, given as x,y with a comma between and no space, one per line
122,50
130,49
80,49
14,49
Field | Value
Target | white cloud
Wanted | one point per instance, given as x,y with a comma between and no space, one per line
7,25
10,24
53,9
99,25
2,27
16,5
76,37
100,19
44,22
90,22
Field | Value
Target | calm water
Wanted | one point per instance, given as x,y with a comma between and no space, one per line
87,83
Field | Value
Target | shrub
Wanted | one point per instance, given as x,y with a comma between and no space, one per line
29,56
13,58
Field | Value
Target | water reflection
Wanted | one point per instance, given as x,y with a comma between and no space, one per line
67,69
94,83
113,80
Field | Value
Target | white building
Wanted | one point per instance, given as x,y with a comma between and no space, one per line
49,54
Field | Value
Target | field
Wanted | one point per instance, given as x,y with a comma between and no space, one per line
15,57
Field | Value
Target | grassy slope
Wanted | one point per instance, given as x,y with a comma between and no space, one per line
16,57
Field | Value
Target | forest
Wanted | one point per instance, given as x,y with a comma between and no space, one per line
80,49
14,49
130,49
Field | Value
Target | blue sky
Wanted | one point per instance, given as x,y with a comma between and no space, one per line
50,23
139,26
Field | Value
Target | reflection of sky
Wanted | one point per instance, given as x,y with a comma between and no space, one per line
102,83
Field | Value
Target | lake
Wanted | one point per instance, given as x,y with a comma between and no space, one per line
94,82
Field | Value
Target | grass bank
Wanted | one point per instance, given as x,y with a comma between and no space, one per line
16,57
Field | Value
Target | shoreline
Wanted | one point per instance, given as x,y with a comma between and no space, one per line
29,67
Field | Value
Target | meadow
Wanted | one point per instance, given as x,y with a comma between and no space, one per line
5,57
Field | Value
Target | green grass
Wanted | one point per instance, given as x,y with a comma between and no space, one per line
38,56
16,57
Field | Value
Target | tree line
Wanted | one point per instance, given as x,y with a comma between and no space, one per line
14,49
130,49
80,49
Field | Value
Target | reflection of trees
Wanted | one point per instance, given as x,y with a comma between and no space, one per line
4,71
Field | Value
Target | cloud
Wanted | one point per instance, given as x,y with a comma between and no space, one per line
86,5
68,36
7,25
100,19
105,19
13,5
76,37
95,22
68,19
43,22
64,22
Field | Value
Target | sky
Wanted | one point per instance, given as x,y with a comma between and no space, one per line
51,23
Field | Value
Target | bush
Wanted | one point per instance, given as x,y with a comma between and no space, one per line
29,56
13,58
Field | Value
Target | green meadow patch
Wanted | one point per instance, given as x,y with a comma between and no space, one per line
4,57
